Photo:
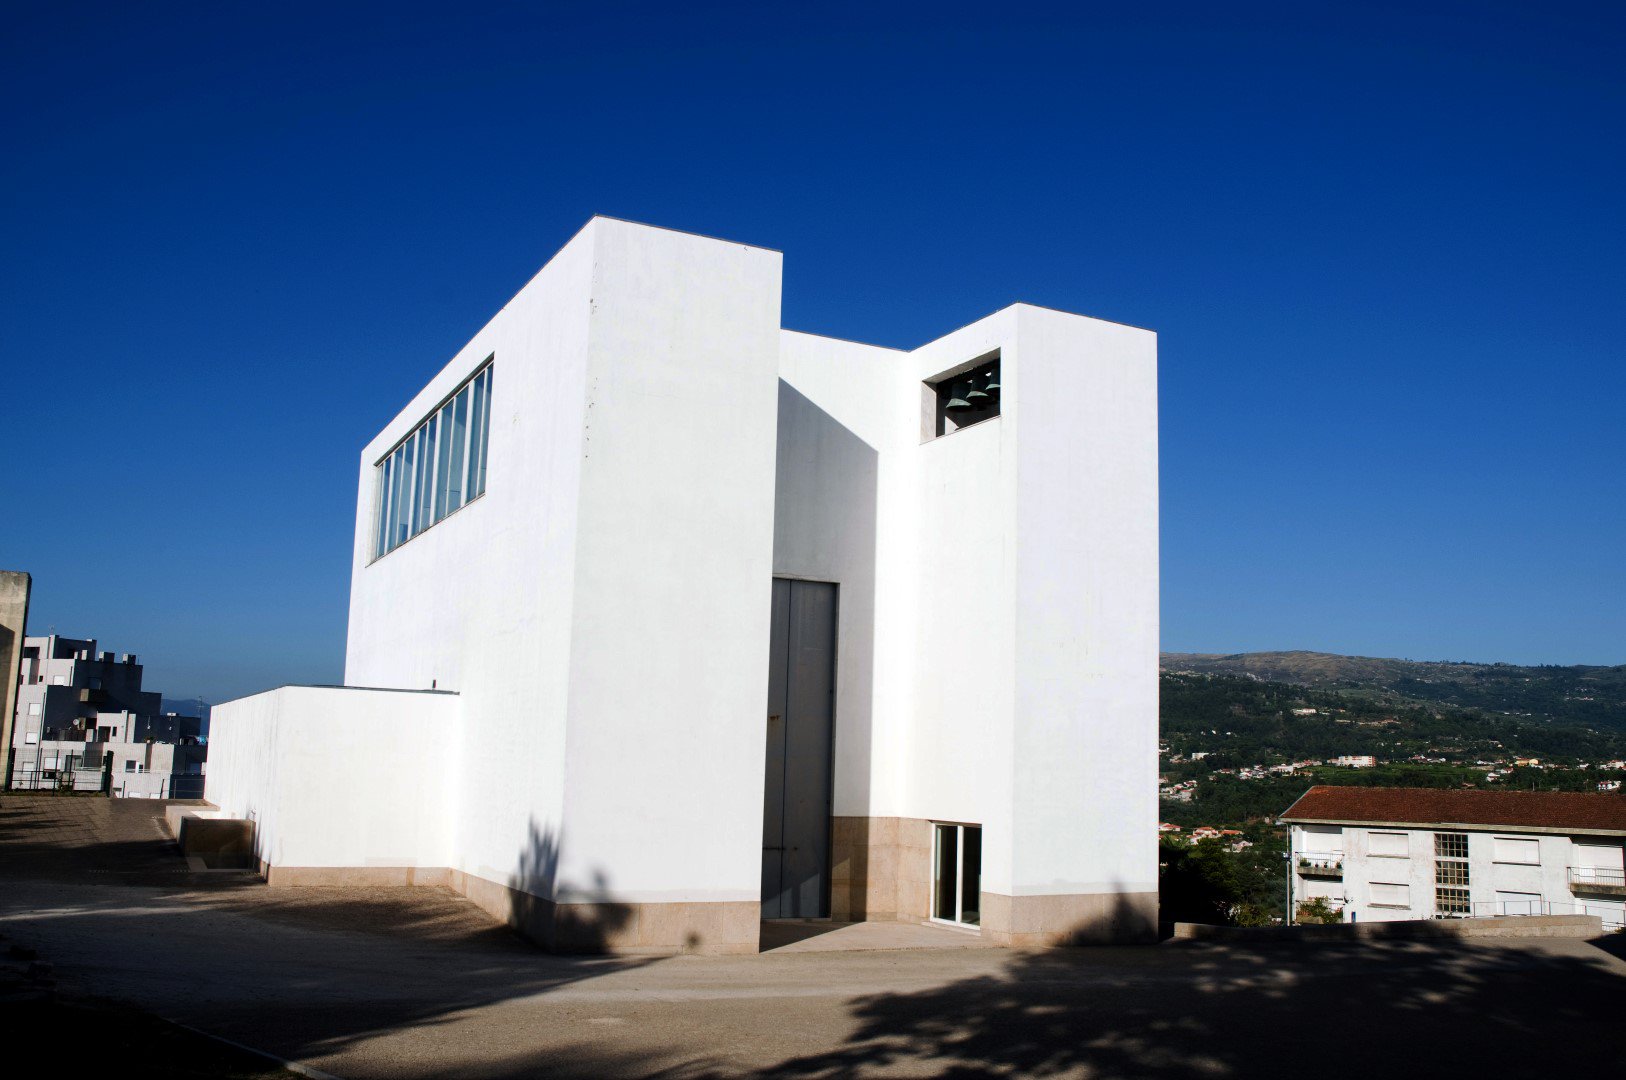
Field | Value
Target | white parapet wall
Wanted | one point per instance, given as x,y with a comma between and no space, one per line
345,785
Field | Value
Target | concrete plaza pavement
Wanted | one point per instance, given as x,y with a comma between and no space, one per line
401,983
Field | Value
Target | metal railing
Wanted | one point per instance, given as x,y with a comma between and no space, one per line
1597,875
57,780
1327,863
1489,909
63,779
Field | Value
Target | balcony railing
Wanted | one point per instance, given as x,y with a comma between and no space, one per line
1329,865
1597,879
1490,909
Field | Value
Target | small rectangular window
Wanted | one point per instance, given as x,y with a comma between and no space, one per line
1524,850
1390,844
1386,894
129,766
1451,845
1451,901
1450,873
33,708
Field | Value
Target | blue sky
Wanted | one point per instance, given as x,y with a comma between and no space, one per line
1382,248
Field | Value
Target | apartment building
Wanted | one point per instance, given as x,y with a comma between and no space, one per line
1380,854
665,619
82,712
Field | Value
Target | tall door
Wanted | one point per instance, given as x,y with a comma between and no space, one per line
801,708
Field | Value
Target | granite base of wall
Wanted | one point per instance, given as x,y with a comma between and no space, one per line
880,869
718,927
330,877
727,927
1070,919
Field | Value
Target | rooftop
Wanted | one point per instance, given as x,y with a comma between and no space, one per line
1553,811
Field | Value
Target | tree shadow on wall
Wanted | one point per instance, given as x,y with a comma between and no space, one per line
587,920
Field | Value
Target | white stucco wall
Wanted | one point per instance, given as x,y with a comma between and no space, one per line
1087,621
962,557
659,450
838,502
668,657
336,776
481,603
1493,882
999,605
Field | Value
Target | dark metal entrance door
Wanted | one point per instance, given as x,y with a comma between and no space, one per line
801,708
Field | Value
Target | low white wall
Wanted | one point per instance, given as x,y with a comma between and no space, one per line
337,777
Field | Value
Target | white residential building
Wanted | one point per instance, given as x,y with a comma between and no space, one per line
1381,854
81,711
664,619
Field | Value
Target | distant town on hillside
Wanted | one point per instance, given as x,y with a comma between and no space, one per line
1242,736
1589,695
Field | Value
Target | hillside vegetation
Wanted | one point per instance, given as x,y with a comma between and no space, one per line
1577,694
1244,736
1216,728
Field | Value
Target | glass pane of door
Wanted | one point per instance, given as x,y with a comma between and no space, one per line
945,876
971,876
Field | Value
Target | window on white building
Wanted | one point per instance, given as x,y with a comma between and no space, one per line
957,874
1524,850
1390,894
33,708
438,468
1389,844
1451,874
129,766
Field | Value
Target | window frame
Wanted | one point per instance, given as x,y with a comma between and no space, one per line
1453,880
1499,852
1405,842
412,480
959,831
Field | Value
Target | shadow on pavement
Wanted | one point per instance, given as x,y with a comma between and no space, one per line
455,994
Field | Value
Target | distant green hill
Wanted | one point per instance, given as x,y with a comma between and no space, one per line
1579,694
1217,729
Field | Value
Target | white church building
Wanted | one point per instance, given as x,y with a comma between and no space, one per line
665,620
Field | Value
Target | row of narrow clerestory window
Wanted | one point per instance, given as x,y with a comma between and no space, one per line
437,469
